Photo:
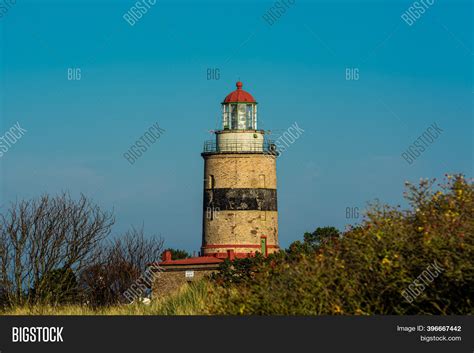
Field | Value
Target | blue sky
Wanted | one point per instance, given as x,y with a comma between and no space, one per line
155,71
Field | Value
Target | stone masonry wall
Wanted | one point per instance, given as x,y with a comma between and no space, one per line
240,202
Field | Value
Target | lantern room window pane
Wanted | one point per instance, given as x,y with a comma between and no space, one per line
255,116
233,115
242,117
225,120
249,117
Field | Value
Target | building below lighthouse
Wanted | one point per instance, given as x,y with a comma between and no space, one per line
240,213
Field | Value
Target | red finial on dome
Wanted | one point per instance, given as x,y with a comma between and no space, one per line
239,95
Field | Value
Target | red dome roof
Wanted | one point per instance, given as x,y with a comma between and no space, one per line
239,95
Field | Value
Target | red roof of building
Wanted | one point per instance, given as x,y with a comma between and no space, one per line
239,95
201,260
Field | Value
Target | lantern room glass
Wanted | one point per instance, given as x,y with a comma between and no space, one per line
239,116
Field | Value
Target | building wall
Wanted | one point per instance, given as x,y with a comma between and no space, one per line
240,203
170,282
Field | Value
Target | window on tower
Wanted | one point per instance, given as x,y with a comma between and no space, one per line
211,182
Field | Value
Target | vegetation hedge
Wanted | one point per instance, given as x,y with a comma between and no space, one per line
418,261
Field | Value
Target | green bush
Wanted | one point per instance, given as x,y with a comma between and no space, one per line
377,267
238,271
313,241
57,286
178,254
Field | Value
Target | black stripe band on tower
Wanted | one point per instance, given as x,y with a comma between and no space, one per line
240,199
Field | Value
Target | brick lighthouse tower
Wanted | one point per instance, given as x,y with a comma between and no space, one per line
240,215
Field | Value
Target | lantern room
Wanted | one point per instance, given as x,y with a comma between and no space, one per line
239,110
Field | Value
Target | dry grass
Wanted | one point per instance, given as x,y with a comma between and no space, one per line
190,300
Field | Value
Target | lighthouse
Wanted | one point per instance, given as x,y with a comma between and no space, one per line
240,214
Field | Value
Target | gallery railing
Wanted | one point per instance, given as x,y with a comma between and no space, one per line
267,147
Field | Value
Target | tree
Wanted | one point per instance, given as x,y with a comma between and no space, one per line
120,264
40,236
313,241
177,254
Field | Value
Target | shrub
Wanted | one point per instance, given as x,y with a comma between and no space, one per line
239,270
177,254
58,286
313,241
372,266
